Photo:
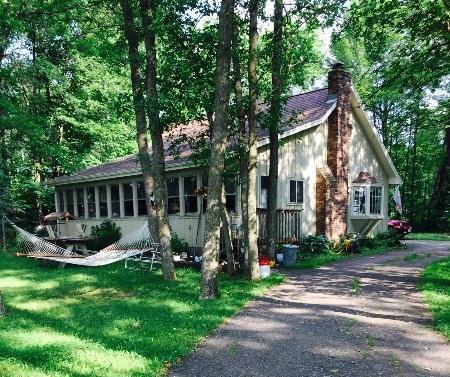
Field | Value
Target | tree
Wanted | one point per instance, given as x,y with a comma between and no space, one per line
153,175
252,159
2,306
274,120
209,282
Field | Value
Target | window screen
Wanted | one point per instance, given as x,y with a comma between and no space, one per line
375,200
173,196
103,201
142,206
128,199
190,198
264,191
115,201
359,200
80,202
70,205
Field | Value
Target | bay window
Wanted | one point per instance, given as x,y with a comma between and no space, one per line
367,200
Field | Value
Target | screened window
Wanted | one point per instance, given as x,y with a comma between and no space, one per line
61,200
264,191
296,191
359,200
205,191
190,197
69,198
91,201
173,196
103,198
375,200
142,206
80,202
128,199
115,201
230,196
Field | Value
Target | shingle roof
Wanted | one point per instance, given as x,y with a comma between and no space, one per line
298,110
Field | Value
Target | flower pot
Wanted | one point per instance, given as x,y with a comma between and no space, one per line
264,271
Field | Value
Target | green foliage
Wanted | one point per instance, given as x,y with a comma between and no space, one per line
381,240
107,322
103,235
179,245
314,244
435,285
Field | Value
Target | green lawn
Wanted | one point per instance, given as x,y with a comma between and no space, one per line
306,261
428,236
105,321
435,285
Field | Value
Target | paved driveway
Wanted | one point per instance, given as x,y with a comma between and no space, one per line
360,317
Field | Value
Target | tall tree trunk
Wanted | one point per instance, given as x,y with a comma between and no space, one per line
141,121
252,227
413,183
148,10
209,283
441,196
274,120
243,143
226,231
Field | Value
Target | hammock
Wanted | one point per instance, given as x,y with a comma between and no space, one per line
138,242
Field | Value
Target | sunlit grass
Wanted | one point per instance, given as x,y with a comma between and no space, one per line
435,285
105,321
428,236
309,260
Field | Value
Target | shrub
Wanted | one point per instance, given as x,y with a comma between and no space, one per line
179,245
103,235
384,239
314,244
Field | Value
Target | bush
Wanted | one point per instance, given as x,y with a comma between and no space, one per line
103,235
314,244
179,245
381,240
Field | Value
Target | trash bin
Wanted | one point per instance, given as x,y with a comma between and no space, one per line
289,255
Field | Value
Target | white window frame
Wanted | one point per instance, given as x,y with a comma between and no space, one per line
367,188
289,191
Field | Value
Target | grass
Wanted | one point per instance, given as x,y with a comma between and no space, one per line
106,321
356,286
306,260
435,285
429,236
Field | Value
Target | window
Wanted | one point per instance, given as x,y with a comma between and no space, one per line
296,191
142,206
80,202
375,200
359,200
190,197
128,199
115,201
173,196
103,198
91,201
230,196
264,191
204,192
61,200
70,205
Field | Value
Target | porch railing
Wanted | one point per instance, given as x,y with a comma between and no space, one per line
289,225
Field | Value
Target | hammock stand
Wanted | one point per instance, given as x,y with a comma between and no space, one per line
134,246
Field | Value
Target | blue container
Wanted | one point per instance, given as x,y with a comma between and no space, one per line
289,255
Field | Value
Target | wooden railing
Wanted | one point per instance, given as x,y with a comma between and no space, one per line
289,225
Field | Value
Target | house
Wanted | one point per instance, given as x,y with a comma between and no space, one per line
334,174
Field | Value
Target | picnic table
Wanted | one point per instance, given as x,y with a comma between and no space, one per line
77,244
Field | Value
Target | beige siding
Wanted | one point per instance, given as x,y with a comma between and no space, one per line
363,158
298,157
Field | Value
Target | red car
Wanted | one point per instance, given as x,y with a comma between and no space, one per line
400,227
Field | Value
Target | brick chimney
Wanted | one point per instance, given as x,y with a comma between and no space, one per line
332,181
